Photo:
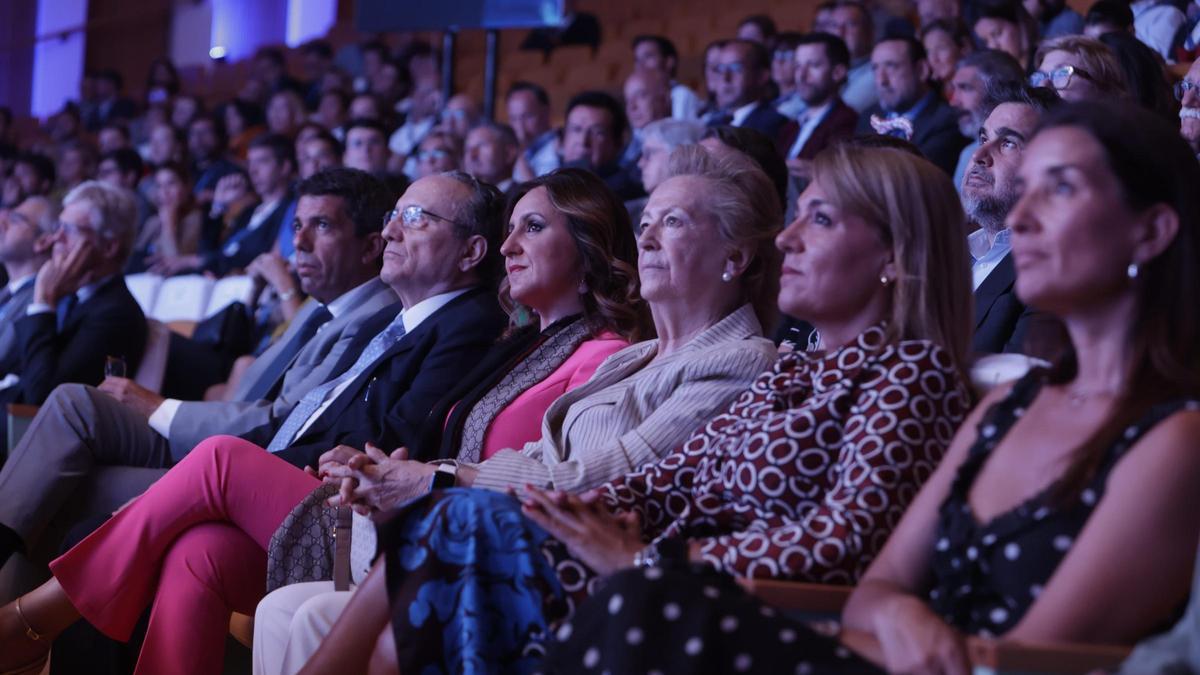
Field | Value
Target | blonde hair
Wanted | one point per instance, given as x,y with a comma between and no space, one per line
1100,63
745,204
918,214
112,210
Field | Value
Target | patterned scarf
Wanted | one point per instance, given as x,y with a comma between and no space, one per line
546,355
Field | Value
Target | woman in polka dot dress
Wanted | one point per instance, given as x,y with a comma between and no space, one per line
803,477
1066,508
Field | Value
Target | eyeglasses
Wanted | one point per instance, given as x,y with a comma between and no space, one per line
1059,78
784,55
731,68
415,218
1182,87
425,155
73,230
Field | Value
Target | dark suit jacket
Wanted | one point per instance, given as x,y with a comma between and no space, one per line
935,132
767,120
1001,320
223,258
110,323
839,124
388,403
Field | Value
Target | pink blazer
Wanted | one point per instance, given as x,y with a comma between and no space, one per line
521,421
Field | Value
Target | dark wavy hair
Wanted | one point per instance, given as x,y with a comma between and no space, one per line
1164,364
599,224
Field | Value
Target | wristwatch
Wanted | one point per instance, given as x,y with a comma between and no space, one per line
445,476
671,552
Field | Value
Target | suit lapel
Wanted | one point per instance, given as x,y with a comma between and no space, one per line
999,282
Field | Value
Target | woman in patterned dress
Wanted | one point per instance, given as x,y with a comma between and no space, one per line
1066,509
803,477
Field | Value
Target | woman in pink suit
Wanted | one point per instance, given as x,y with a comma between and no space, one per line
194,545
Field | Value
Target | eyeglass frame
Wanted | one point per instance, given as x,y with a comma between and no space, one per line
1049,77
65,228
1182,87
414,217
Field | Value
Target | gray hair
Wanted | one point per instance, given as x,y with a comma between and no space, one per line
674,133
993,66
112,210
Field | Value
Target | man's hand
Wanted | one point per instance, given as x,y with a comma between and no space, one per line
272,268
231,188
375,481
139,399
63,275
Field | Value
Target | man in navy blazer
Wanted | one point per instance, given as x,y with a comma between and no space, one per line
441,259
743,70
906,101
23,251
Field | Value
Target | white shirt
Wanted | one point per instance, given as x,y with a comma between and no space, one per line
685,104
740,115
17,284
164,415
1156,24
985,258
412,318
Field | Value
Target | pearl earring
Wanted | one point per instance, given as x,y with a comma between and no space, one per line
884,280
727,276
583,287
1132,271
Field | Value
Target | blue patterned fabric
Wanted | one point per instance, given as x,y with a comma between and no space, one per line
469,587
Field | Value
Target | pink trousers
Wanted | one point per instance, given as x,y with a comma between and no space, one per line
194,544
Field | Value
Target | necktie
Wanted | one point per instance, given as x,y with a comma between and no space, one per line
312,400
5,296
65,306
267,385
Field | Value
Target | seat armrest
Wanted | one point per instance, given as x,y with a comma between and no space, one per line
797,595
1050,657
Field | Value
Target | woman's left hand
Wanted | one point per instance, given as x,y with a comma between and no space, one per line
603,541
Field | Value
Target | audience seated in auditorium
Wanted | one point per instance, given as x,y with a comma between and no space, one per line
397,367
783,75
490,152
647,95
656,52
528,108
25,245
81,312
80,428
1005,25
109,104
1035,526
843,270
945,42
908,108
1145,78
659,140
989,192
206,149
176,227
33,175
821,64
1055,19
850,20
271,164
438,152
1079,69
561,224
976,75
1189,111
743,73
593,136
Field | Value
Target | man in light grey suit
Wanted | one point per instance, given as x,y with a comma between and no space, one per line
80,429
23,251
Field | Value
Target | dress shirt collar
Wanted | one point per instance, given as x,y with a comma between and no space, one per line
413,316
346,301
977,245
740,115
84,294
16,285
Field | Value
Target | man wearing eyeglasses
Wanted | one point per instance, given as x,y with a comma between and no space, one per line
81,311
1187,91
24,248
743,70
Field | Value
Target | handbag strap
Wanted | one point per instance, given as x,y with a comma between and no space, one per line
341,549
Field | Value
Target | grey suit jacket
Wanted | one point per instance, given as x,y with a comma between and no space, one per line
10,353
197,420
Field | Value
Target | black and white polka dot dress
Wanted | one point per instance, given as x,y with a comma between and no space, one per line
987,575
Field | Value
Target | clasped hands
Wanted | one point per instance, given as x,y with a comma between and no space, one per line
372,481
604,541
